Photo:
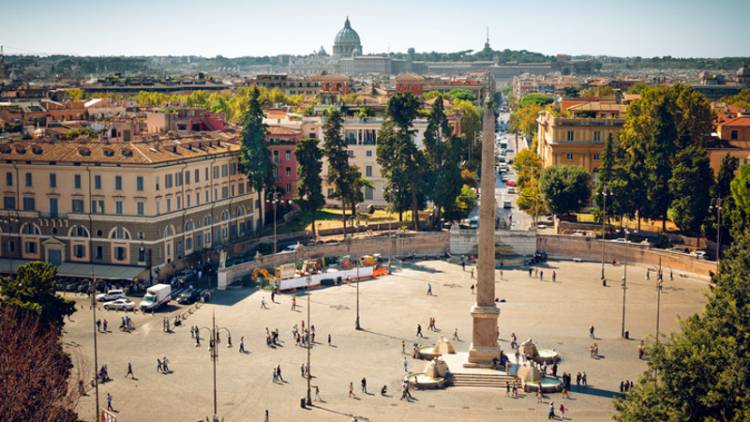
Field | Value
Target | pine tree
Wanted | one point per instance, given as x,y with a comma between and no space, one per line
690,186
310,193
335,150
442,152
255,159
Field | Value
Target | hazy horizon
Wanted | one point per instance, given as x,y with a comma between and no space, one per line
684,29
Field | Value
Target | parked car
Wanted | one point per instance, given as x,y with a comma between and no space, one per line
188,297
699,254
111,295
121,304
620,240
507,204
511,189
510,183
290,248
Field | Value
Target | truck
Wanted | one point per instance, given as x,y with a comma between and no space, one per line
156,295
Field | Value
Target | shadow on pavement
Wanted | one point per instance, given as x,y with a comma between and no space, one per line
351,415
230,297
587,389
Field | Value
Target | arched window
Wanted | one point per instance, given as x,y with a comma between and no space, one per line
31,229
188,226
169,231
119,233
207,221
78,231
240,211
225,215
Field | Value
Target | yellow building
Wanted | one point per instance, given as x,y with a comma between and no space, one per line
69,202
578,135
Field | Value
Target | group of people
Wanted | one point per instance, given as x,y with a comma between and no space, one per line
126,324
272,338
162,365
101,325
305,337
625,386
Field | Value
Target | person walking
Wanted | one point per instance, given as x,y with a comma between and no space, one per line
351,389
273,296
578,378
562,411
109,403
159,366
130,371
242,345
472,273
403,347
317,394
429,289
419,331
539,393
165,364
641,350
455,334
551,413
541,275
463,264
584,379
554,276
364,385
266,417
329,339
507,389
591,332
294,303
406,365
104,324
278,373
263,303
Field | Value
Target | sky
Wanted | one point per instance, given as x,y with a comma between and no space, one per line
232,28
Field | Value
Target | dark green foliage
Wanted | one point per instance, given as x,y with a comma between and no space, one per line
565,189
255,159
692,179
33,289
442,153
310,193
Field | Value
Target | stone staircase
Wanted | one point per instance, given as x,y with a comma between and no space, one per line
496,380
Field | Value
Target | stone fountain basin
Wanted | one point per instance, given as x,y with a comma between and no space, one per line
547,356
548,385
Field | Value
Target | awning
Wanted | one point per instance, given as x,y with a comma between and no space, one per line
81,270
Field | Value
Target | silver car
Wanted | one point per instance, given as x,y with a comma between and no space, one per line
121,304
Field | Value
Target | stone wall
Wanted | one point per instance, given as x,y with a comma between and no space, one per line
420,244
507,242
591,249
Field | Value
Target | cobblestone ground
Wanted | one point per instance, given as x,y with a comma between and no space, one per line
556,315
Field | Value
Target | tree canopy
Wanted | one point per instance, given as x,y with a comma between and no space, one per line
310,192
255,159
565,189
33,290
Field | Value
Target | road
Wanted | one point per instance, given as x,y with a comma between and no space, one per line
518,219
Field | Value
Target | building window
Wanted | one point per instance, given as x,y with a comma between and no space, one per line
52,180
216,172
169,204
232,168
596,156
287,155
79,251
97,206
569,156
187,177
205,173
241,188
157,183
118,182
179,202
368,171
53,209
597,136
224,192
78,205
197,175
8,179
28,180
97,182
178,179
118,207
570,136
29,247
288,171
139,183
224,170
120,253
140,208
288,188
9,202
158,207
141,254
29,204
99,252
207,199
77,181
368,153
368,193
734,135
168,181
197,198
187,200
276,157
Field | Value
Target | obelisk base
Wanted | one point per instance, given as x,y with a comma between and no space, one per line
484,346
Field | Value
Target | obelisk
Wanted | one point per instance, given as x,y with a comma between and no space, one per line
484,312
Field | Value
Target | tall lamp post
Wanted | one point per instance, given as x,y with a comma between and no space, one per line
356,323
213,348
309,343
624,288
716,204
659,286
274,201
604,194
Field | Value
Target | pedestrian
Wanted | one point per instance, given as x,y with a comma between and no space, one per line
591,332
472,289
159,366
472,273
263,303
302,370
130,371
541,275
294,303
551,413
242,344
351,389
165,364
584,379
406,365
104,324
429,289
507,389
403,347
554,369
622,386
329,339
562,411
565,392
554,276
539,393
530,271
455,334
275,376
578,378
364,385
266,418
419,331
273,296
109,403
641,350
463,264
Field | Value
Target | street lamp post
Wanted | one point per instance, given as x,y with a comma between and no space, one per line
214,350
659,286
624,288
309,343
717,204
356,323
604,194
275,201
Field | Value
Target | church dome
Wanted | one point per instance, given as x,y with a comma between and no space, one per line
347,41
